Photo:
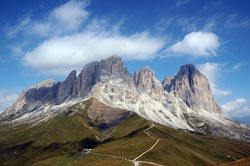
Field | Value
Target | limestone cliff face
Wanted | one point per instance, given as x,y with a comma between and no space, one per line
34,97
193,88
95,72
65,88
145,81
182,101
167,80
86,79
50,92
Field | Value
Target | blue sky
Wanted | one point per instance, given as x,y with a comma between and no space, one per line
46,39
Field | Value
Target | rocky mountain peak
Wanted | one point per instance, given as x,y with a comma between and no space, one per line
188,69
43,84
188,84
193,88
71,76
34,97
145,81
96,72
113,65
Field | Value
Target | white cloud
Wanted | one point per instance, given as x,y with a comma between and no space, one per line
58,55
212,71
67,42
198,43
6,99
71,14
63,19
237,108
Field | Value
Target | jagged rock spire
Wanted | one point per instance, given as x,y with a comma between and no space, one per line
193,88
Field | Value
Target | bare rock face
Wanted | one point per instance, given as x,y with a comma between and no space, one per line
182,101
86,79
50,92
34,97
193,88
167,80
113,65
65,88
95,72
145,81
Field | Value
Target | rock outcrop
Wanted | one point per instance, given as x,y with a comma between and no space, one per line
86,79
96,72
193,88
145,81
65,88
182,101
34,97
50,92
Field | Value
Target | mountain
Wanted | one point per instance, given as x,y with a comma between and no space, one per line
51,93
145,82
193,88
181,101
33,98
126,119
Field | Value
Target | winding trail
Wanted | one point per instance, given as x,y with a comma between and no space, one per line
147,150
135,160
136,163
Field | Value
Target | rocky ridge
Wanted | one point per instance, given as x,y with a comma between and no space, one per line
181,101
50,92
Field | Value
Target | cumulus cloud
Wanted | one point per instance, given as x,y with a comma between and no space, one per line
212,71
238,108
71,14
58,55
68,42
6,99
199,44
63,19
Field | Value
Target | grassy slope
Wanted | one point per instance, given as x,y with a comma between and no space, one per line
188,149
56,142
241,162
174,148
62,135
89,159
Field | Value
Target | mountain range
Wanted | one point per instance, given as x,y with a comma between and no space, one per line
105,104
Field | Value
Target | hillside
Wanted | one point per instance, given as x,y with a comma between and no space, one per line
59,140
